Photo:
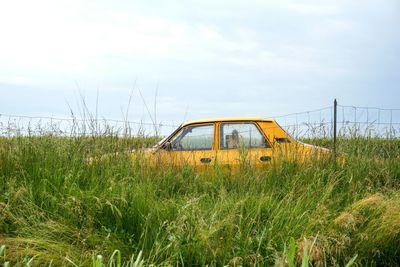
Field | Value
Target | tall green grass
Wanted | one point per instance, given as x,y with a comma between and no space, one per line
56,209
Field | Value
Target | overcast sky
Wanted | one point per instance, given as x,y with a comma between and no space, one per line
207,58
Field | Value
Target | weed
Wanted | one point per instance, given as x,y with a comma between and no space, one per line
57,209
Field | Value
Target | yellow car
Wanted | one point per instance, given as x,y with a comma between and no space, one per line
230,142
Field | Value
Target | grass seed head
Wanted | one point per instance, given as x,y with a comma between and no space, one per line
346,221
315,249
369,203
236,261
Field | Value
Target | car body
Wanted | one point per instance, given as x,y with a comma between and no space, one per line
230,142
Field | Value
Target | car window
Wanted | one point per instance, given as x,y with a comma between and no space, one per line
241,135
194,138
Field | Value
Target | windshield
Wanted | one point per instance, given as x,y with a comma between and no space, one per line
165,138
160,142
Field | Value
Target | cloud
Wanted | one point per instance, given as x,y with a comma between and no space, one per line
79,38
205,49
313,9
331,27
15,79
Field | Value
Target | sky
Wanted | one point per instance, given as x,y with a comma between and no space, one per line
181,60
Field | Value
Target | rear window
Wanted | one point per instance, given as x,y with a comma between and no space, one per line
241,135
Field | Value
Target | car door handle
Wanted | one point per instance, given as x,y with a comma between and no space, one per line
265,158
205,160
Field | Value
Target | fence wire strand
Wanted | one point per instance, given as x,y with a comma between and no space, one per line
316,123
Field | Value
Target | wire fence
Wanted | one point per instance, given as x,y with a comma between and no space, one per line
16,125
352,121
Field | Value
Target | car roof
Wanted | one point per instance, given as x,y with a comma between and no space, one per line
228,119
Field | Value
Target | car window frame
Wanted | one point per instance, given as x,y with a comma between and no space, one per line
242,122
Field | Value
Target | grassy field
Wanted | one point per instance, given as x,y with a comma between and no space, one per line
55,209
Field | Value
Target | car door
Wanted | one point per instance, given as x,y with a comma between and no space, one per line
192,145
242,143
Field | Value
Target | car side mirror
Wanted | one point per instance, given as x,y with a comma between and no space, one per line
168,146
